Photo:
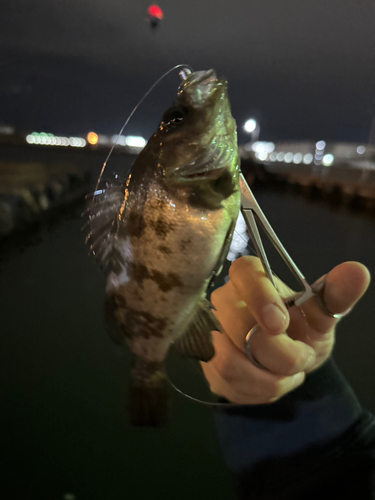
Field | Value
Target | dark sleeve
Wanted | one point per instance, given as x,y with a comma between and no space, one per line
316,442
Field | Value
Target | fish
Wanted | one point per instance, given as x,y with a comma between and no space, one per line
162,234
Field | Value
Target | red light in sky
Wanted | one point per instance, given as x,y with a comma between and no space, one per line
155,11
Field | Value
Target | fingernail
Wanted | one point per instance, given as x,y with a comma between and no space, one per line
273,317
320,285
297,379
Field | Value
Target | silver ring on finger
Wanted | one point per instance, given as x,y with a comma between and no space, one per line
319,290
248,348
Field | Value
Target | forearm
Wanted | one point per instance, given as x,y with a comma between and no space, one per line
316,420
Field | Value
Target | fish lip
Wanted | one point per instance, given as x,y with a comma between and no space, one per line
210,74
199,77
199,86
205,174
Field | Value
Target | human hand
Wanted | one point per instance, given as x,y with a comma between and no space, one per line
249,298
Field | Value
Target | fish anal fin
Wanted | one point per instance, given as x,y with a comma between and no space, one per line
196,342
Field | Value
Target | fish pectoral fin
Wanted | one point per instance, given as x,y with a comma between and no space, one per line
196,342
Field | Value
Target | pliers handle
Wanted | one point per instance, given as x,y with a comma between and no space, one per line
254,216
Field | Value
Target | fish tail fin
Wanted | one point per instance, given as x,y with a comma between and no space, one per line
148,397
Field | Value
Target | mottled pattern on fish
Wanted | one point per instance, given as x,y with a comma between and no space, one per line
162,235
169,257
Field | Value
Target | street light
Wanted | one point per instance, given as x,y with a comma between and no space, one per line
252,127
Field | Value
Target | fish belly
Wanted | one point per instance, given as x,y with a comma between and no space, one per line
169,262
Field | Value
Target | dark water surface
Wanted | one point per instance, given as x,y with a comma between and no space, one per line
64,425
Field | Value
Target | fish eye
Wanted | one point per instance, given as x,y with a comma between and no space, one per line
175,116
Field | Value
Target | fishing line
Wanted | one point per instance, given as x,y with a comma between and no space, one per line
288,303
206,403
196,400
248,245
132,113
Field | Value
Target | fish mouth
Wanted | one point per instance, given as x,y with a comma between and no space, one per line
199,86
198,78
207,174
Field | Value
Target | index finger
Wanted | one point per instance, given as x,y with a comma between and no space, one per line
261,297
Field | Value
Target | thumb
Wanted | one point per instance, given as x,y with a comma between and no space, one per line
344,286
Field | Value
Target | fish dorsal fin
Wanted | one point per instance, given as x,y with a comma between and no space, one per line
196,342
103,213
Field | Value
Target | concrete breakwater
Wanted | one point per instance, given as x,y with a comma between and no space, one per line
32,190
353,187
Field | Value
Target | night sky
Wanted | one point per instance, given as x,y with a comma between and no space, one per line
304,69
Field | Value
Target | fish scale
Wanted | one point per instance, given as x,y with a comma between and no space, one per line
153,290
164,233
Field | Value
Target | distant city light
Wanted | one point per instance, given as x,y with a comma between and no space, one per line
103,140
92,138
320,145
297,158
135,141
328,160
77,142
361,150
119,140
288,158
250,125
273,156
261,147
263,156
47,139
308,158
280,156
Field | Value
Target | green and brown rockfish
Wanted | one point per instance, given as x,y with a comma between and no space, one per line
163,233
